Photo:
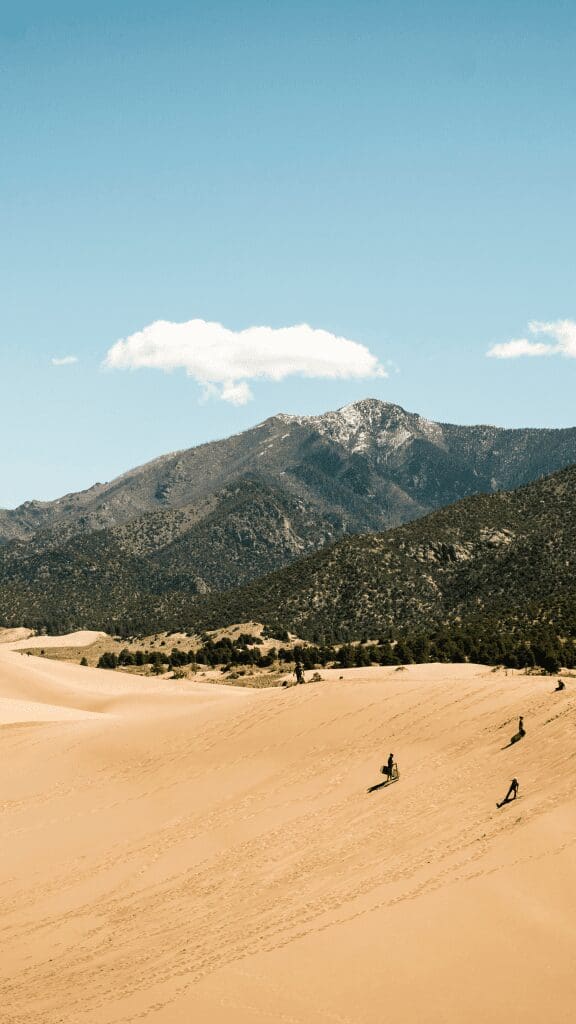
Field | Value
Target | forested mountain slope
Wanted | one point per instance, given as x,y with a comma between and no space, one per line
507,559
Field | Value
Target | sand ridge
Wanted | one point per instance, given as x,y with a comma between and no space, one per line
204,853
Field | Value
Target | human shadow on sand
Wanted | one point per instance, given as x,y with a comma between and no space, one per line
510,800
381,785
515,739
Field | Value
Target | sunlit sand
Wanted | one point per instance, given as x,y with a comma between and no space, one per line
175,851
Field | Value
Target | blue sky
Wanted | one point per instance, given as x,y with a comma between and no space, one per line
398,174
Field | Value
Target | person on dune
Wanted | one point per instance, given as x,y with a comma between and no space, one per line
511,794
390,769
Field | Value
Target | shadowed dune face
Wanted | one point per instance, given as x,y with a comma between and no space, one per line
194,852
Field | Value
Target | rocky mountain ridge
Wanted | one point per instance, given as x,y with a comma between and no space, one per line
371,464
219,516
505,561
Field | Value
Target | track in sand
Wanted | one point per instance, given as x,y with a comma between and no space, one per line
176,851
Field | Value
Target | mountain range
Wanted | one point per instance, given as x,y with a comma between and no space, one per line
187,526
501,562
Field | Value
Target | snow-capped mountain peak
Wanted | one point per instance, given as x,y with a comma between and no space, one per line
370,424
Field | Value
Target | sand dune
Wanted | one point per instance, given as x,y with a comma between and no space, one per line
179,851
23,639
13,636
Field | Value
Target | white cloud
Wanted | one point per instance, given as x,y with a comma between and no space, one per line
562,332
520,347
223,361
64,360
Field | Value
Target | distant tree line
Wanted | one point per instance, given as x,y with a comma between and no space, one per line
242,650
544,650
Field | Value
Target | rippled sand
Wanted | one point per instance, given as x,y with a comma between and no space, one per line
178,852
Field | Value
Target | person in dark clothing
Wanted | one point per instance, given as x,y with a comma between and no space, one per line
560,686
520,734
511,794
390,769
299,672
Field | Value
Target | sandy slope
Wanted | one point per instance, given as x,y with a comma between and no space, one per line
191,852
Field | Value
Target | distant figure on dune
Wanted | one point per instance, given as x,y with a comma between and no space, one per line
561,685
299,672
511,794
390,773
521,732
390,769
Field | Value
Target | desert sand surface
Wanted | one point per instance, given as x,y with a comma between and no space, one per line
178,852
20,639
